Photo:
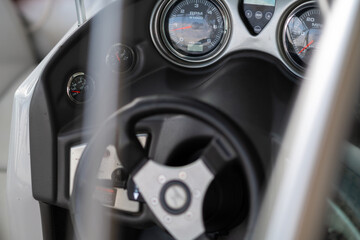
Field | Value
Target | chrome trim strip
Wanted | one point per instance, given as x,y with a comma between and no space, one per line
268,41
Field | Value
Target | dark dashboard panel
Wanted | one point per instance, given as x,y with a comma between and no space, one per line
252,88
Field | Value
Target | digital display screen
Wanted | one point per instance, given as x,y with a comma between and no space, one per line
260,2
195,48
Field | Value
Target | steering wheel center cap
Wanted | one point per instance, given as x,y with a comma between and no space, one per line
175,197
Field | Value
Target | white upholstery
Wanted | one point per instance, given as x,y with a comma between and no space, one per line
15,50
16,59
6,101
4,223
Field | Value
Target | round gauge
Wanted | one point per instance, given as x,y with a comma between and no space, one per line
194,31
80,88
301,34
120,58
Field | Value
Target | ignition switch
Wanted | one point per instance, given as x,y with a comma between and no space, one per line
119,178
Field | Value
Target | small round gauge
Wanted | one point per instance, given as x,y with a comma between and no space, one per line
80,88
302,33
120,58
194,30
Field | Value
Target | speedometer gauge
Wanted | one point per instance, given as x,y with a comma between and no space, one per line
301,34
191,32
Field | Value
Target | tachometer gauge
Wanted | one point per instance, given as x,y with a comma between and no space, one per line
80,88
193,27
301,34
194,31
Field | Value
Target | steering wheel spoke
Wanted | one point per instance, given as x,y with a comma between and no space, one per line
218,154
175,195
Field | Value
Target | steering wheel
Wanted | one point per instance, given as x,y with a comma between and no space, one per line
174,196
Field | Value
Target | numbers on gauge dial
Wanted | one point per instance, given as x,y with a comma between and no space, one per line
302,35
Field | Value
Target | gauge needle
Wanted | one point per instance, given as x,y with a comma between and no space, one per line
118,58
75,91
187,27
306,46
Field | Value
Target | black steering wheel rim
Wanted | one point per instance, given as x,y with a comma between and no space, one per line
125,119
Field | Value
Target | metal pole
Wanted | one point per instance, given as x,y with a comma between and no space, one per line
295,202
80,11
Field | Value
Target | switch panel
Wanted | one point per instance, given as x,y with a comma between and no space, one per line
257,14
110,168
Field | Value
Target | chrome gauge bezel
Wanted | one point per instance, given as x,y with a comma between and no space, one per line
69,85
158,35
296,67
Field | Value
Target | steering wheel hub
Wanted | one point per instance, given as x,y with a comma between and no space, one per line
175,197
178,209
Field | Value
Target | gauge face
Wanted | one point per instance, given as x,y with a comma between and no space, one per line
194,29
302,33
80,88
120,58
